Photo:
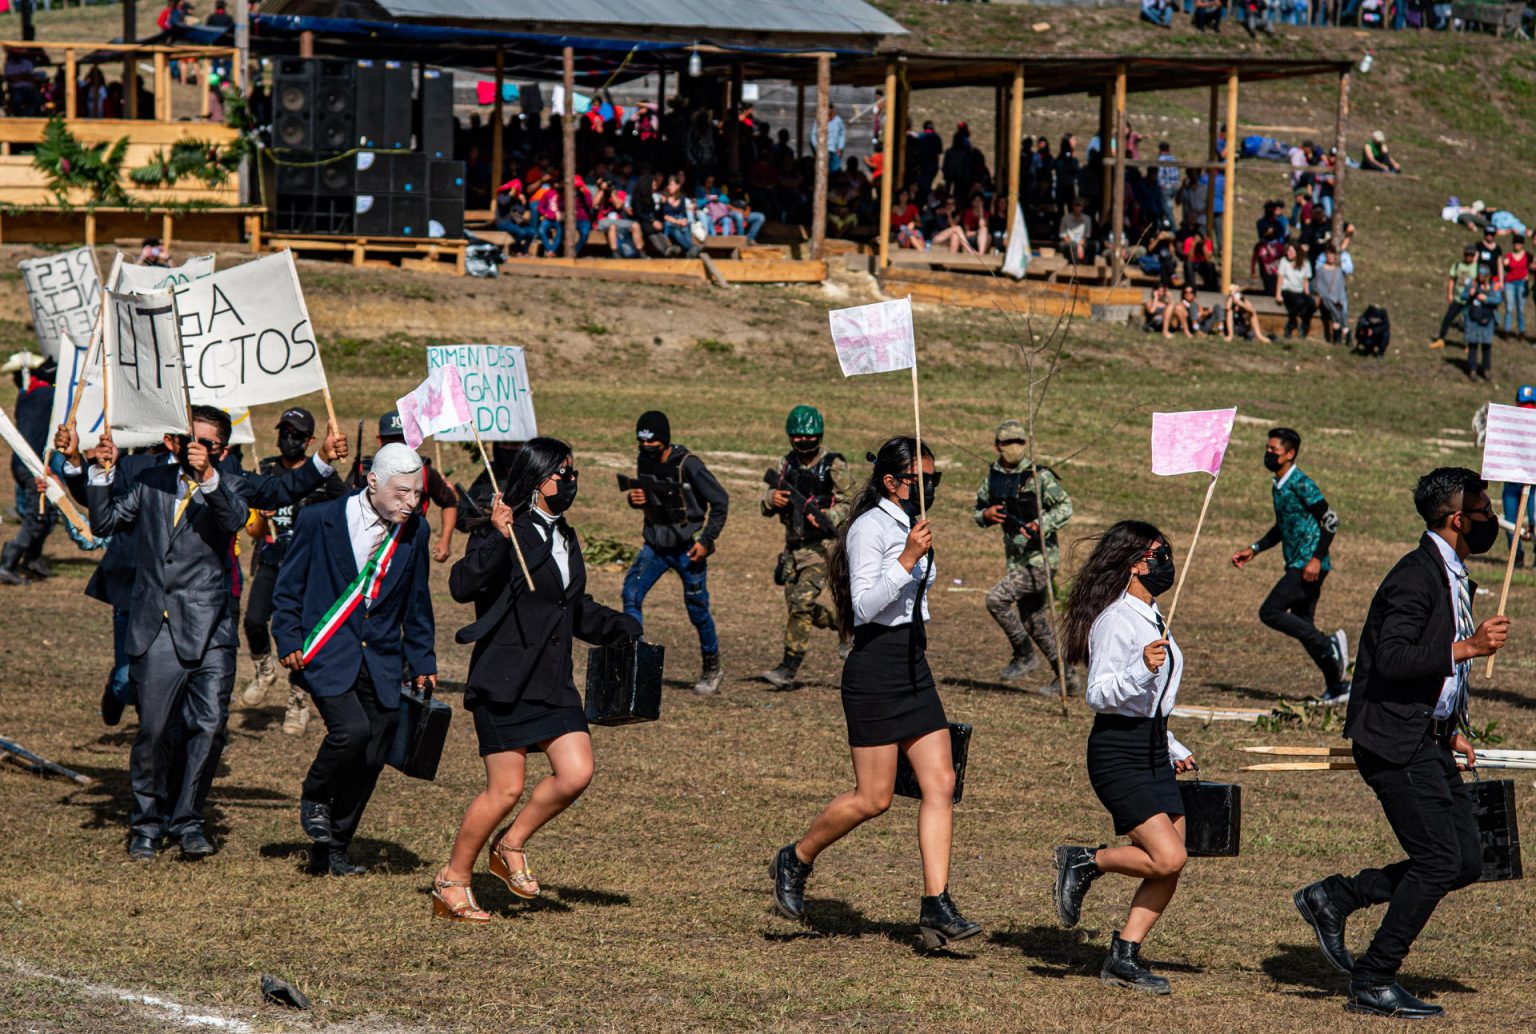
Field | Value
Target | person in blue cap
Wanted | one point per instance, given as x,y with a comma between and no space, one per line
1525,398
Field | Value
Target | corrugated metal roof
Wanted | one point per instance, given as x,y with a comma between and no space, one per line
812,17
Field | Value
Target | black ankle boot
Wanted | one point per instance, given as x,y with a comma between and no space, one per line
941,922
783,677
789,876
1075,870
1123,968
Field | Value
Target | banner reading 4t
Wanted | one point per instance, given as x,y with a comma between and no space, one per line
146,382
495,382
64,291
246,335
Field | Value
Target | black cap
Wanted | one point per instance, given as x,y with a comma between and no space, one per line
653,427
299,420
390,426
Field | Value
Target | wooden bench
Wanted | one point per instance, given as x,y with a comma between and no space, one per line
1503,19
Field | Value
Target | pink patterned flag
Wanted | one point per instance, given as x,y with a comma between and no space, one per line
1195,440
1509,450
437,404
874,338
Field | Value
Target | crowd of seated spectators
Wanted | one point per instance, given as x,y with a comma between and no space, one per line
1257,16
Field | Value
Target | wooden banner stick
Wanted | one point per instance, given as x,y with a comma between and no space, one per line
1302,766
917,420
1509,567
1189,557
106,383
1321,752
496,489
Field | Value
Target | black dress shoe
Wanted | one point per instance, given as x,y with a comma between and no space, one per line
142,848
1328,922
315,817
1124,968
1389,1000
1075,870
111,707
332,859
789,875
941,922
195,845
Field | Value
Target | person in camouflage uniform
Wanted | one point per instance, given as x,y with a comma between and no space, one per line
809,492
1019,602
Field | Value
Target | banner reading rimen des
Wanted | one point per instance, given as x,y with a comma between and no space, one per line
496,385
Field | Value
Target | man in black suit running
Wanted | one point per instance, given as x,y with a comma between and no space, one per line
1408,719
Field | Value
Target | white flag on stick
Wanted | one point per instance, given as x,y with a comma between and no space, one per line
146,380
34,464
874,338
1016,260
1509,450
436,404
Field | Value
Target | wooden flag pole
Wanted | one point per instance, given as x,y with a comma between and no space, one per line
496,489
1509,566
1188,557
917,420
106,385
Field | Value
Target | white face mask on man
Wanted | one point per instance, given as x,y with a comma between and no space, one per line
395,483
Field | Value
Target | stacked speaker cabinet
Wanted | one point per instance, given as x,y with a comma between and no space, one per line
434,114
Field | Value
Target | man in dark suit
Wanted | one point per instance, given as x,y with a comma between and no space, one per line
180,519
1407,717
22,557
351,611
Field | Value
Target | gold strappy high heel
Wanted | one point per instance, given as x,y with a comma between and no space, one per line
519,881
467,911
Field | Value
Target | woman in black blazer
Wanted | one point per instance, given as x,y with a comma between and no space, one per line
520,688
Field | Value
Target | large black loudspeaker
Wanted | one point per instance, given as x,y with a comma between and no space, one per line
293,93
408,174
434,114
445,179
335,179
375,172
302,213
408,215
383,92
448,215
295,180
335,126
371,215
389,215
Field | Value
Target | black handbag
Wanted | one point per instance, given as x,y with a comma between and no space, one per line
1213,818
421,733
624,683
959,749
1493,808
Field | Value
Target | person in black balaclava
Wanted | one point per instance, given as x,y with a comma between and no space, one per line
682,524
23,555
272,530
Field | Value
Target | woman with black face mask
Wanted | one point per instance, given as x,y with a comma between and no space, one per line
1134,666
880,570
520,687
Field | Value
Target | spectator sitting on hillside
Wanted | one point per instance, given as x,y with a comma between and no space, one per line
616,221
1158,12
1374,331
1274,216
1375,158
1293,291
515,216
906,222
1241,318
1208,15
1265,262
750,220
1187,315
1196,251
1154,311
1077,241
1254,15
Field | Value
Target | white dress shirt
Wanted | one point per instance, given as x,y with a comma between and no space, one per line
1119,681
559,547
366,529
1445,707
883,592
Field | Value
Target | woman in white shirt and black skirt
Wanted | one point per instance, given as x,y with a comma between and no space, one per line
880,571
1134,668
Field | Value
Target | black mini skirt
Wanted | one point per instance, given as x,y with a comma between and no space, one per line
1129,769
888,690
526,723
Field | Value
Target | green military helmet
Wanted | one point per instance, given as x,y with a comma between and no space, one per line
804,421
1011,430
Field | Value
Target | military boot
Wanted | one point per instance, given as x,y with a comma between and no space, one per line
296,718
783,677
9,558
709,677
1123,968
1025,662
1053,689
255,692
38,568
940,922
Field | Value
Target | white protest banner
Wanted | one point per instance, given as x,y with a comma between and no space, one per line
495,380
874,338
146,381
34,464
161,278
1509,450
436,404
246,335
64,291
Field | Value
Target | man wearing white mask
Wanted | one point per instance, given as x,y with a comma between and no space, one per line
352,611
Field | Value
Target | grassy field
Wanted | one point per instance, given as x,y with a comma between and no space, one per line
657,914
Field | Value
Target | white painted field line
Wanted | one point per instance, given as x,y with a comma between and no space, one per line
161,1007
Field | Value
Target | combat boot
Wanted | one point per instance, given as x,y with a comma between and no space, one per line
709,678
783,677
9,558
940,922
296,718
38,568
255,692
1123,968
1053,689
1024,662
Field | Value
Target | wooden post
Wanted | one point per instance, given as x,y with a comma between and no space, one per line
1210,174
1116,238
1015,135
819,197
999,131
661,95
1106,147
70,88
903,113
131,62
162,92
1229,189
167,230
1340,164
498,156
306,44
733,127
799,120
568,131
887,173
204,67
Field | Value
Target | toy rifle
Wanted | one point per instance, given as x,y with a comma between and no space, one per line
801,506
355,478
663,497
1019,512
41,765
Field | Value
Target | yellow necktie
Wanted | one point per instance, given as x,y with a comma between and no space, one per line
181,504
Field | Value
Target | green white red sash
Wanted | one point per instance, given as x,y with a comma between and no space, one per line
366,584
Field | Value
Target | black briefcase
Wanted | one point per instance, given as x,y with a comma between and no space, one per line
420,736
624,683
1493,808
959,747
1213,818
